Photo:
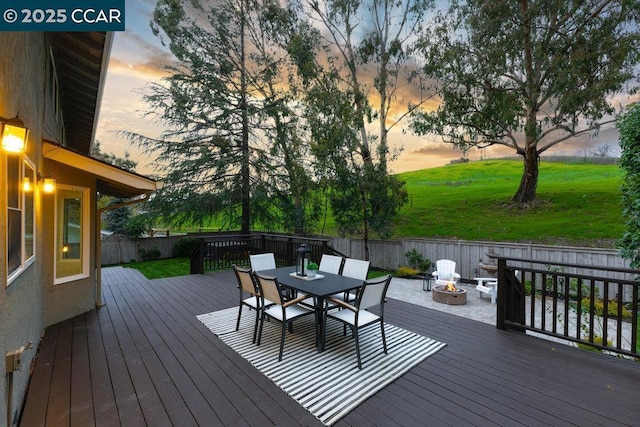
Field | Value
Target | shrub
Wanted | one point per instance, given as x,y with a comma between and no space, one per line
597,339
149,254
629,128
528,287
182,248
417,261
406,272
598,306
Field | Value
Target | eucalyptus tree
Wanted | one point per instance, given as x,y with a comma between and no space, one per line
224,115
360,82
529,74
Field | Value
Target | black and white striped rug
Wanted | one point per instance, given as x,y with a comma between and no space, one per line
317,380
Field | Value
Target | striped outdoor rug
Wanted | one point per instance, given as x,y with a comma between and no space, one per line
317,380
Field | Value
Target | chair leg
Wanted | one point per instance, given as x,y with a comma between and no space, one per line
260,331
384,339
356,336
282,334
239,314
255,326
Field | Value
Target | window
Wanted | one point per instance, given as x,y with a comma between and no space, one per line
28,189
72,233
20,216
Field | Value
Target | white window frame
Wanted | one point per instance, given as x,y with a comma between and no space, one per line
24,164
85,234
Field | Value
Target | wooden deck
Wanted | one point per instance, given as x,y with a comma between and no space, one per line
144,359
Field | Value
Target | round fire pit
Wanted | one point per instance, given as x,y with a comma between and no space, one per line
454,297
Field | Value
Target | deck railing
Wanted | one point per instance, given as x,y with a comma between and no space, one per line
219,251
597,310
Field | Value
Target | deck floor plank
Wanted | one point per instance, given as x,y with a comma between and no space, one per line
81,409
151,362
184,319
34,412
127,402
58,409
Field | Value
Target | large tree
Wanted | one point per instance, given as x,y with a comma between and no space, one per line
354,58
528,74
226,117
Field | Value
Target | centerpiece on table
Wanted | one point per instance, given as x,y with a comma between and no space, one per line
312,269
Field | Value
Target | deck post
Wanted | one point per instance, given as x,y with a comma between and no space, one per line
501,304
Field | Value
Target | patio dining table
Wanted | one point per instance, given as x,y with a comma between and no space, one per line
319,288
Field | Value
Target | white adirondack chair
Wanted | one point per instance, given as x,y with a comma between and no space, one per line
446,272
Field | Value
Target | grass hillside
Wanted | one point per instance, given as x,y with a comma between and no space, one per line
578,204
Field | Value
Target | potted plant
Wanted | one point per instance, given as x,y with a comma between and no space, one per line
312,268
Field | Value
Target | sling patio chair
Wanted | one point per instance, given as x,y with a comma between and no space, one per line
261,262
282,310
356,269
357,316
247,286
330,264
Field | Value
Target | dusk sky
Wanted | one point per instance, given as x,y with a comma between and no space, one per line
138,58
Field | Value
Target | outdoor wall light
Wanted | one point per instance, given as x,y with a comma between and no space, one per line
14,135
49,185
27,185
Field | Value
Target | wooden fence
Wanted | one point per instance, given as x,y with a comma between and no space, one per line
390,254
120,249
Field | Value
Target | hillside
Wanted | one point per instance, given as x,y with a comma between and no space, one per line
578,204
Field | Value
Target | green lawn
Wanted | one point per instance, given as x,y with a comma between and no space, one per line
157,269
577,203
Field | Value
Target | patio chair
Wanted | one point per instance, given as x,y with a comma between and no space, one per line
283,311
356,315
445,272
261,262
330,264
356,269
247,286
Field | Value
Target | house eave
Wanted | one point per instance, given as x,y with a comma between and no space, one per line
112,180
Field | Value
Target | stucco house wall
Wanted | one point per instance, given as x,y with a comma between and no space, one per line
53,82
64,300
23,64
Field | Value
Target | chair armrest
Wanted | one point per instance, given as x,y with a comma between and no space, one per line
295,300
342,304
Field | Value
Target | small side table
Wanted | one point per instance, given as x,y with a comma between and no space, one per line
487,285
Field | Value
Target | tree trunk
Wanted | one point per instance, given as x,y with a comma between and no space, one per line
529,183
245,225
